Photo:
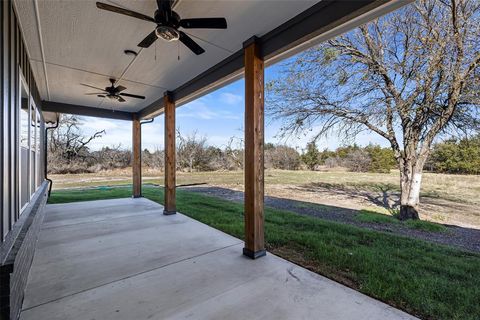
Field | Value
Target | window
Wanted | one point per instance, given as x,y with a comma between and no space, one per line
24,159
38,135
33,147
30,136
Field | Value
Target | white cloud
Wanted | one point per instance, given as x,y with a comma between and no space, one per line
96,124
218,141
198,109
230,98
117,132
153,135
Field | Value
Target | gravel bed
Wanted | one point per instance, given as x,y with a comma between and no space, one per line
463,238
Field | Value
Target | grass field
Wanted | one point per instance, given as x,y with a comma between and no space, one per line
424,279
462,188
450,199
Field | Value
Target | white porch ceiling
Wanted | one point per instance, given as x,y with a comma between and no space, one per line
83,44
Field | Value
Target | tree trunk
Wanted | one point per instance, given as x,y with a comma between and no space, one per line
410,182
190,164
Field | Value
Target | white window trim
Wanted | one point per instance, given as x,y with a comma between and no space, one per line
22,83
32,149
38,149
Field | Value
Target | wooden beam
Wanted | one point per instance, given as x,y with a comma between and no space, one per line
170,163
85,111
152,110
137,158
254,158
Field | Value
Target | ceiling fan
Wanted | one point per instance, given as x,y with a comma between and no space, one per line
112,92
168,22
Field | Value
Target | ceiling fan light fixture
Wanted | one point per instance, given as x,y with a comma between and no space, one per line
167,33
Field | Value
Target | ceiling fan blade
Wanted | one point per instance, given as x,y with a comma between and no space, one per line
149,40
120,88
93,94
101,96
104,6
120,99
192,45
89,86
206,23
132,95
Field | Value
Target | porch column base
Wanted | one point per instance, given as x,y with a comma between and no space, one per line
169,213
137,196
254,254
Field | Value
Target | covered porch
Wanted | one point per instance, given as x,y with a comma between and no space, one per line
132,258
124,259
259,34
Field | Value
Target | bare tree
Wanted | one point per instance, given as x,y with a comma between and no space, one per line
357,161
192,151
155,159
409,76
69,139
234,153
68,146
112,157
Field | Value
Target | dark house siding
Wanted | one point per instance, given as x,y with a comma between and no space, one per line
18,231
14,59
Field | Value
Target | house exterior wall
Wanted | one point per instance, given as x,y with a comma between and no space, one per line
23,189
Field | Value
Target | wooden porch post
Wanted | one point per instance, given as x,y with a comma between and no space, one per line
170,164
137,158
254,159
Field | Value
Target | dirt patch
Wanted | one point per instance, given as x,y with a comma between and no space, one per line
344,208
382,196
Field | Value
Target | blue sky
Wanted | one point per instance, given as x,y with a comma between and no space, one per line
218,116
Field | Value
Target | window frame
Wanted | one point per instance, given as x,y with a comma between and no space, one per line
22,84
32,147
38,150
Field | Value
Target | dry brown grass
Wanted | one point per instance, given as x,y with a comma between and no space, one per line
451,199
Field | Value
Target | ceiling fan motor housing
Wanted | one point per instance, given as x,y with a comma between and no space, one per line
167,24
167,33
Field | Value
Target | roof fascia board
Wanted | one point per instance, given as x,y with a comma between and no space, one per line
59,107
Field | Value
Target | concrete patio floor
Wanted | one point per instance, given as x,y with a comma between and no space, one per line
123,259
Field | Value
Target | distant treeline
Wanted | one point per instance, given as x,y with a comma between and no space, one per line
455,156
69,152
371,158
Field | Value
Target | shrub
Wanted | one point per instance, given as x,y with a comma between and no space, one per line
461,156
382,159
357,161
282,157
311,156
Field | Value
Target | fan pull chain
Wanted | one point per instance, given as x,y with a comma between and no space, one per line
155,51
178,51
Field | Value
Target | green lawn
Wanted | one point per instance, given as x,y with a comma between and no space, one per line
375,217
424,279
